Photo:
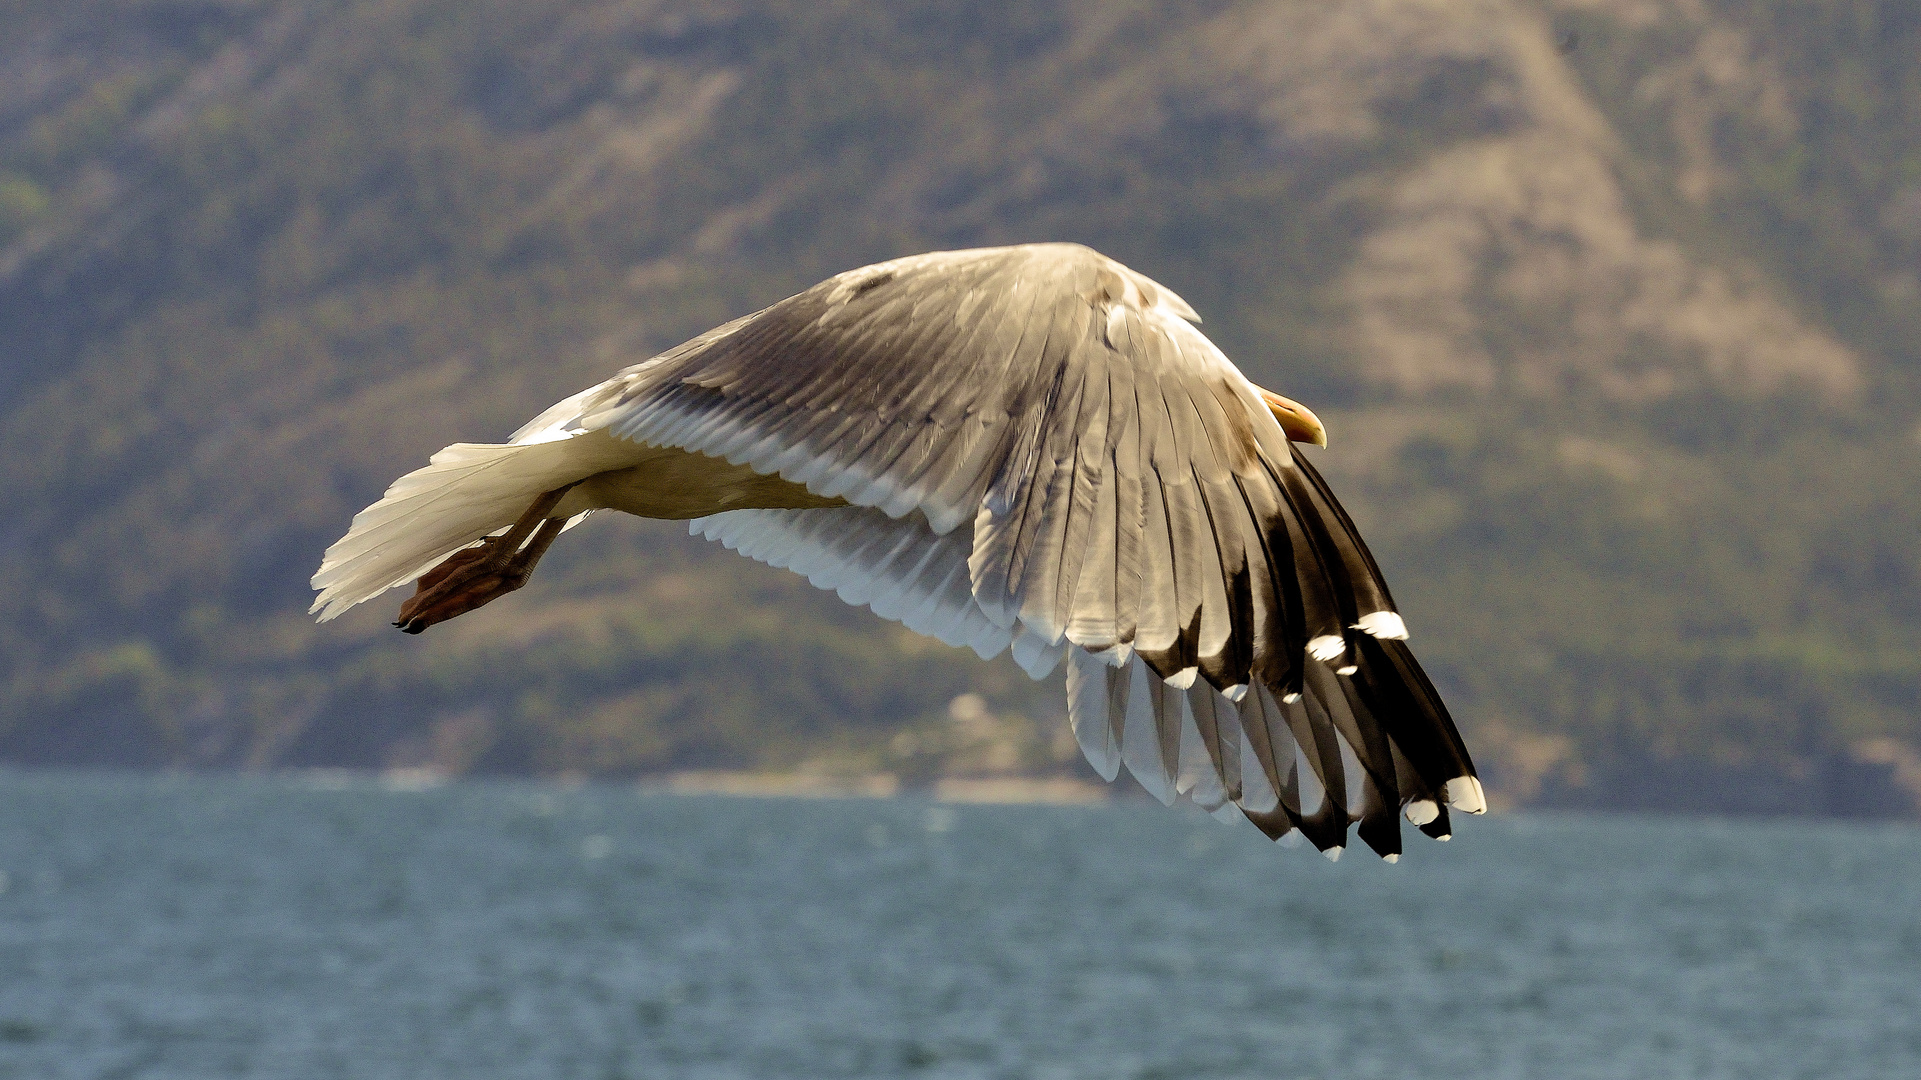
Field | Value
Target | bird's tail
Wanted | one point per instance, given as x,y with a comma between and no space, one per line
466,492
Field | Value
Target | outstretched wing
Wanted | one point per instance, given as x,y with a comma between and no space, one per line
1122,498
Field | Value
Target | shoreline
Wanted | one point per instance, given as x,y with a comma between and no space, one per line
996,790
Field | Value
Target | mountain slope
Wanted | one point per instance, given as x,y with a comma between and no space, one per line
1610,306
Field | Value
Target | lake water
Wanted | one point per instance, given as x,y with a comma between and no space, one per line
166,927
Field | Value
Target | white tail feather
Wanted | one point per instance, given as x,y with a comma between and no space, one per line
468,491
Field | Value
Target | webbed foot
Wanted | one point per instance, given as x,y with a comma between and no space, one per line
475,576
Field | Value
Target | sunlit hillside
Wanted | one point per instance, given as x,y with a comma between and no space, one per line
1613,308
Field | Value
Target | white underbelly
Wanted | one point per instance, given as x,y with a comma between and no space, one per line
670,483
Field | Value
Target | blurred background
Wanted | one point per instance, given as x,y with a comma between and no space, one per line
1612,308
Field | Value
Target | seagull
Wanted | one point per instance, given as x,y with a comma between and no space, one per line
1031,449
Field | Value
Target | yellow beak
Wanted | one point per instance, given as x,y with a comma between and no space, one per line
1299,422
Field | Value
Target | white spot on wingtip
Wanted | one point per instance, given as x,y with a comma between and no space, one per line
1326,647
1183,678
1333,854
1383,624
1290,699
1348,670
1464,794
1445,837
1391,857
1235,693
1422,811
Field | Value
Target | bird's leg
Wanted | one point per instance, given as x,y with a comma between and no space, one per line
475,576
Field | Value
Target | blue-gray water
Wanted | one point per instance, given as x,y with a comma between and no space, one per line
157,927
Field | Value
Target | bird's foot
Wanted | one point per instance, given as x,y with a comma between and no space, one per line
475,576
466,580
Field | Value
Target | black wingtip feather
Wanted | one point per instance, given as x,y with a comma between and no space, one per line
1439,828
1382,834
1274,823
1411,712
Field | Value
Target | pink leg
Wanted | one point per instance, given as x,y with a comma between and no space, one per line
472,577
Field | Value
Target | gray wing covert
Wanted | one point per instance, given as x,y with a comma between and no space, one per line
901,386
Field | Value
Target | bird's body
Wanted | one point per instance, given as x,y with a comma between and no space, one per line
672,484
1030,448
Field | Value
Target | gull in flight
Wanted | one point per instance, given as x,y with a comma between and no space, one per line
1025,448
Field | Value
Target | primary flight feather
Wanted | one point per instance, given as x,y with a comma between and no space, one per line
1029,448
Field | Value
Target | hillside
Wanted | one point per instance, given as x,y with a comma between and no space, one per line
1613,308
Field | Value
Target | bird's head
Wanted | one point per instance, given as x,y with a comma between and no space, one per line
1296,419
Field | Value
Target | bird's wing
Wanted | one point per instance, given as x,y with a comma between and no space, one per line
1123,496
